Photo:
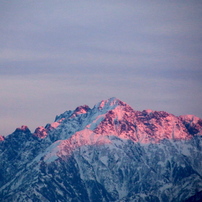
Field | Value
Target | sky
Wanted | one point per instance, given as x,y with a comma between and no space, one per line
60,54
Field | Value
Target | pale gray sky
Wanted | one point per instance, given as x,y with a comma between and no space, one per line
57,55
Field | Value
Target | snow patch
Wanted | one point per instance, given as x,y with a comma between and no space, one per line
41,132
95,123
149,111
50,154
55,124
119,112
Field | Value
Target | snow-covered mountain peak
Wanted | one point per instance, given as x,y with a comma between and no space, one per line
148,111
80,110
109,104
64,115
190,118
192,123
73,113
40,132
117,118
23,129
1,138
108,153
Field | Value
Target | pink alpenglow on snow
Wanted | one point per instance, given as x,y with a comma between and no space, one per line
80,110
144,127
110,103
54,125
115,119
193,123
1,138
23,129
85,137
64,148
41,132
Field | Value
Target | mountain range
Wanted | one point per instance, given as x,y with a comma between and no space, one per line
110,152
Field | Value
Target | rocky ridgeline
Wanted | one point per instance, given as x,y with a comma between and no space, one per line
108,153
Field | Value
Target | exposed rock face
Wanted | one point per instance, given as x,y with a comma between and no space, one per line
108,153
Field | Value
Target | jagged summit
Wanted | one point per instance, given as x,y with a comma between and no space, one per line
192,123
1,138
82,109
115,117
23,128
110,103
106,153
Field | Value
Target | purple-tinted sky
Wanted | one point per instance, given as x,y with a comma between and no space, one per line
57,55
